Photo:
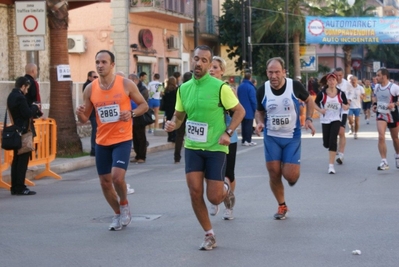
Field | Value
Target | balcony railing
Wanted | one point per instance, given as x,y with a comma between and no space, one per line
180,7
208,27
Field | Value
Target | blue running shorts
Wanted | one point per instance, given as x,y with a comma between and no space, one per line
354,111
286,150
154,103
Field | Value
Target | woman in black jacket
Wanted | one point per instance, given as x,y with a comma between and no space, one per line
21,114
169,102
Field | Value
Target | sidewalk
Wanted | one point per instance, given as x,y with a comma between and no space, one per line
157,140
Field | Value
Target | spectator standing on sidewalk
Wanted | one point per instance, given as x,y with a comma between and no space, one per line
139,135
91,76
155,89
277,114
204,99
246,93
33,94
110,96
22,114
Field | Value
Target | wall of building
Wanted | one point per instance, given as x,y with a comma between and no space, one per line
93,22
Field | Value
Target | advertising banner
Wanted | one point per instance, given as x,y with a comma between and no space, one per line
355,30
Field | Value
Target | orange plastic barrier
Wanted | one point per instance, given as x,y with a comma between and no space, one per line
45,143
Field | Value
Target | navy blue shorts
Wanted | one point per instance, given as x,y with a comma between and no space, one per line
116,155
212,163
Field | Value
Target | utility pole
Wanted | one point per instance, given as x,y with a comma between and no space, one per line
249,35
243,37
196,29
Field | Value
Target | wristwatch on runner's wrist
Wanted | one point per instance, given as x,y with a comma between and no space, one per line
229,132
132,113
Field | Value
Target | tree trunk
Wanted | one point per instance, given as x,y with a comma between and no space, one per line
61,108
297,63
347,58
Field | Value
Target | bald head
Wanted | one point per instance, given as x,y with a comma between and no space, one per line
31,69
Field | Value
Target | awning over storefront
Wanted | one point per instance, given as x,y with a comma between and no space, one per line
146,59
174,61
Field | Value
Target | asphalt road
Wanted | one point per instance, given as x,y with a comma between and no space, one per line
66,223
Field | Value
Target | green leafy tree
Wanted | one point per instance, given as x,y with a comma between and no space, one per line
386,53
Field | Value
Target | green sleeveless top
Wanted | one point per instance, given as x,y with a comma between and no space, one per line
201,100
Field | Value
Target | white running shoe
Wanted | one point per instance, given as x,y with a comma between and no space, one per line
245,143
214,210
355,136
126,217
331,170
116,223
129,190
252,144
383,166
340,158
228,214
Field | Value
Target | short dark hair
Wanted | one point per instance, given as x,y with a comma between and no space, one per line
247,76
109,53
156,76
278,59
384,71
176,74
339,69
90,73
205,48
21,81
142,74
187,76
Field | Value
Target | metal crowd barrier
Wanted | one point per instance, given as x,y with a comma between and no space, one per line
45,143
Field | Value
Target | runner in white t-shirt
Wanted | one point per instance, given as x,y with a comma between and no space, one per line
355,94
342,84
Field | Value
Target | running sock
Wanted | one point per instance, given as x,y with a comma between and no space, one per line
209,232
385,161
330,165
122,203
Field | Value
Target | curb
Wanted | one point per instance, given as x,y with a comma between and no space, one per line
63,165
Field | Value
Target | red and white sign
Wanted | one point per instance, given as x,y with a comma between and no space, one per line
356,64
30,18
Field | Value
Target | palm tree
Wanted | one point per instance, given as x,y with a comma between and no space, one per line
357,10
273,23
61,109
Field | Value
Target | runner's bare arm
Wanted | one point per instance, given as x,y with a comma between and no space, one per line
175,122
136,96
83,111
